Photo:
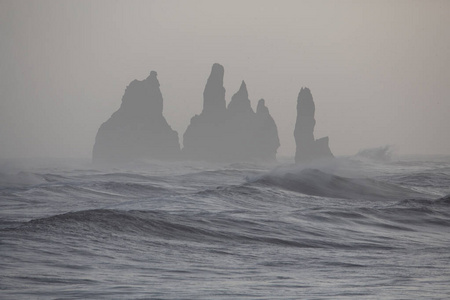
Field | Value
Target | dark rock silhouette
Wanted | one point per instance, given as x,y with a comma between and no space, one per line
214,103
308,148
266,133
203,139
233,133
240,105
138,129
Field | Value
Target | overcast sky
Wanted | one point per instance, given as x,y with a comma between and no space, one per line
379,71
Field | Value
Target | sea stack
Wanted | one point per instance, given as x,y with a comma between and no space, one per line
266,133
203,138
308,149
230,134
138,129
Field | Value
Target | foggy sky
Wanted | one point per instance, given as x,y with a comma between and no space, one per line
379,71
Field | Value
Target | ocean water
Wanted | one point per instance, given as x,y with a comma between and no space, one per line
352,228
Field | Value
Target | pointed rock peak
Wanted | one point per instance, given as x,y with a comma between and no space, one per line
217,69
138,129
240,103
308,148
216,76
261,106
305,93
153,77
243,86
214,92
243,90
305,102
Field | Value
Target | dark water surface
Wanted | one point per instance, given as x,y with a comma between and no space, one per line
346,229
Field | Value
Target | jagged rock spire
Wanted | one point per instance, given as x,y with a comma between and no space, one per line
138,129
143,97
240,104
233,133
243,90
262,108
214,93
305,103
308,148
266,134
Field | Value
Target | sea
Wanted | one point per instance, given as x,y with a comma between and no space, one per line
354,227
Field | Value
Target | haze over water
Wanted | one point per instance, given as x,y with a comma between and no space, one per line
353,216
378,70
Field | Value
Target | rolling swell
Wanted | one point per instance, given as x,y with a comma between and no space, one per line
317,183
155,224
313,227
234,229
215,229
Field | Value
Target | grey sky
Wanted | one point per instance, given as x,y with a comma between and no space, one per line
379,71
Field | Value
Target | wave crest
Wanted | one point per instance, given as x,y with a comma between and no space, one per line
317,183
